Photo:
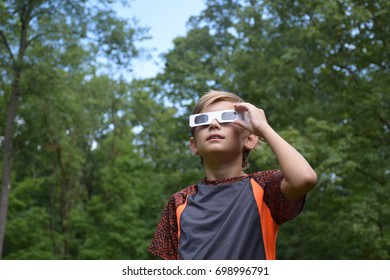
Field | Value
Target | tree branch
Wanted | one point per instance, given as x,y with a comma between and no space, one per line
374,178
383,120
4,39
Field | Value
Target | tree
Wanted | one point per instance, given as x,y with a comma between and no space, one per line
43,34
95,157
320,71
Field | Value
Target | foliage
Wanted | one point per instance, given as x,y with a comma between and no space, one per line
95,157
320,72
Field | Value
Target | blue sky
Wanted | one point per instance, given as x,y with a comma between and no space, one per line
166,20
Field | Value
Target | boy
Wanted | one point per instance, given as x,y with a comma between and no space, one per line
229,214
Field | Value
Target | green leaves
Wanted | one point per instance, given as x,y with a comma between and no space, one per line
319,70
96,157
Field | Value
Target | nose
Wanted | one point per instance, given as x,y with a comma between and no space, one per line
214,124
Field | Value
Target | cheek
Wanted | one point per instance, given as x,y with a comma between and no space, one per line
238,132
198,131
240,135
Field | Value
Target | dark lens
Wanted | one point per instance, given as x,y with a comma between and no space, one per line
228,116
201,119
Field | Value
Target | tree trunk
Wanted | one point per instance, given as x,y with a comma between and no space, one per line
7,159
25,14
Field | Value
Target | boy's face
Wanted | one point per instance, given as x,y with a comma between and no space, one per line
219,140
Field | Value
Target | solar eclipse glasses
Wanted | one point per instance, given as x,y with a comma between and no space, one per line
223,116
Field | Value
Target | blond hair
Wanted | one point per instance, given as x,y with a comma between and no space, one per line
211,97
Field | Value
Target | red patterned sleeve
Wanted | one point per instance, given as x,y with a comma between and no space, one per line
165,240
282,210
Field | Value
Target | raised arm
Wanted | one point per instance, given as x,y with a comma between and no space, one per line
299,177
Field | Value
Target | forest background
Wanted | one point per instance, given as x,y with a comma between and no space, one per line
89,159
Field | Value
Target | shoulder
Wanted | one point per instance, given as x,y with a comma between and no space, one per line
282,210
179,197
268,178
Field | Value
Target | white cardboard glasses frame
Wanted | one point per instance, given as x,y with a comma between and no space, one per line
223,116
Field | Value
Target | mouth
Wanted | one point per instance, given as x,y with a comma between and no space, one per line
215,137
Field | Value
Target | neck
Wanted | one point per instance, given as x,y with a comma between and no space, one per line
223,171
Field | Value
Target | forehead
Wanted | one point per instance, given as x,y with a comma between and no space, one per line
219,106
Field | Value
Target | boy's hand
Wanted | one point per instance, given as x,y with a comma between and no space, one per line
299,177
257,119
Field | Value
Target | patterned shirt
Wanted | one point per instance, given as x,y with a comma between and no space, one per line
235,218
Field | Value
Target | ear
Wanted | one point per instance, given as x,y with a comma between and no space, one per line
193,146
251,141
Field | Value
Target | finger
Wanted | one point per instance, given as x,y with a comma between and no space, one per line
241,107
244,125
